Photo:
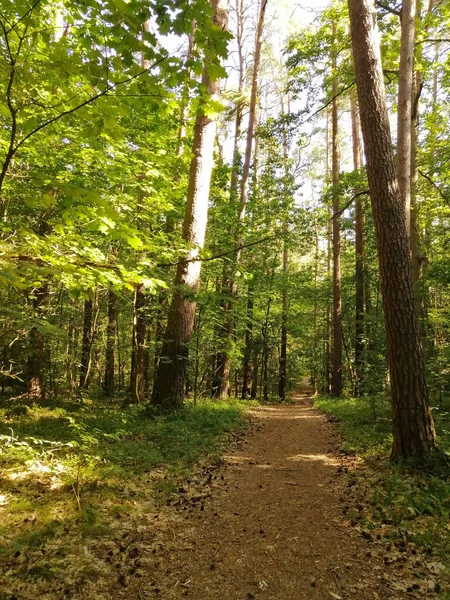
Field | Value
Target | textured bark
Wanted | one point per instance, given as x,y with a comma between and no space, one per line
109,383
359,255
86,344
413,427
404,111
336,383
170,378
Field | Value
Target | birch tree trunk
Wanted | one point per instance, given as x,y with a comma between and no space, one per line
170,378
413,428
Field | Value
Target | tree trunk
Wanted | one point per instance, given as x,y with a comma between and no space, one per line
359,254
110,344
255,371
171,375
137,377
336,384
36,354
230,289
86,344
282,376
248,350
417,256
404,112
413,427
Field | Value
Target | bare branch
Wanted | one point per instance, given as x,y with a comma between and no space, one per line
388,9
436,187
363,193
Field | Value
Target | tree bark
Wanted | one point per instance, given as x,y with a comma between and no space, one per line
111,328
86,344
404,111
336,384
359,255
413,428
36,354
137,376
170,378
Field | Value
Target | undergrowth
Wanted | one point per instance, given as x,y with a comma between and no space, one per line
73,472
408,501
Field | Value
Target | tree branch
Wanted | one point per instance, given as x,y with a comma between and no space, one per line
388,9
221,254
330,101
108,89
339,212
436,187
24,16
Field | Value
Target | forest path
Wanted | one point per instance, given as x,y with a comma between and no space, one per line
273,526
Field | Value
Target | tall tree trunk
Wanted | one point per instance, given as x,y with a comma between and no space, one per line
171,375
248,350
230,290
255,371
328,337
282,376
413,428
137,377
266,352
249,344
282,370
336,385
416,248
36,353
359,254
404,111
86,344
109,384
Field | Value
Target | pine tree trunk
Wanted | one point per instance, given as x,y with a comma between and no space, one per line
109,384
413,428
336,384
170,378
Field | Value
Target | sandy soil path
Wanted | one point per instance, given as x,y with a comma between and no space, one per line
273,526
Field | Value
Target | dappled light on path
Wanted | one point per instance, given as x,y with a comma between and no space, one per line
273,526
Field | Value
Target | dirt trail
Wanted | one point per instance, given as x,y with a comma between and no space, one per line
273,527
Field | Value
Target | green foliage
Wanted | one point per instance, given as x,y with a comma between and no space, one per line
408,501
69,477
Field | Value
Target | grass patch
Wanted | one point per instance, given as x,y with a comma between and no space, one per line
407,502
75,476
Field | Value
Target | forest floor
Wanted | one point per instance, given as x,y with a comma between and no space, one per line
273,522
279,514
